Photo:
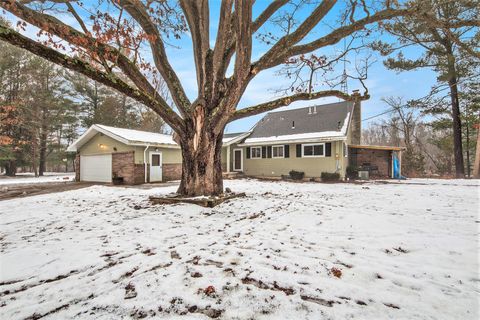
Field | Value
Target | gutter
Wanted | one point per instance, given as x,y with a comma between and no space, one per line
236,139
287,141
145,161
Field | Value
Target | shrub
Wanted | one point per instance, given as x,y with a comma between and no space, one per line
297,175
328,176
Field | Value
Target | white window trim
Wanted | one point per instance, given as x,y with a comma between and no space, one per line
241,160
346,150
312,144
283,151
251,153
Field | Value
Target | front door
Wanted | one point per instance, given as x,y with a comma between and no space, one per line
237,160
155,166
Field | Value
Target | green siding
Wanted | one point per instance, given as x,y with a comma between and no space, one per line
93,146
224,157
312,166
268,167
169,155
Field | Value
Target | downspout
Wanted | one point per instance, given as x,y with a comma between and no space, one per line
228,159
145,161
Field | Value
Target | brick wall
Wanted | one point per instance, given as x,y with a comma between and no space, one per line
123,165
139,174
379,158
171,171
77,167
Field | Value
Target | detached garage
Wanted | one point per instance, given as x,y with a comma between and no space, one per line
105,153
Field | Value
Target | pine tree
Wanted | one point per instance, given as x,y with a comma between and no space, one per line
448,49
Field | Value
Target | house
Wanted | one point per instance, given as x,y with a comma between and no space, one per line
311,140
315,139
104,152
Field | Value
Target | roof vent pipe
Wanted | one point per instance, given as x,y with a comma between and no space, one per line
314,109
309,110
293,124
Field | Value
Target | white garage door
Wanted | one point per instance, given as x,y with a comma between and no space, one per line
96,168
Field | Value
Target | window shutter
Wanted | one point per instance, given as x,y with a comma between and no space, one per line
269,151
264,152
248,152
328,149
286,150
299,150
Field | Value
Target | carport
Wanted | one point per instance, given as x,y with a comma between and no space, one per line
377,160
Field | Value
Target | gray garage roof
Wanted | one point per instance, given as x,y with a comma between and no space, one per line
232,135
315,122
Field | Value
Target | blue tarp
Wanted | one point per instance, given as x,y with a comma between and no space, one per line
396,168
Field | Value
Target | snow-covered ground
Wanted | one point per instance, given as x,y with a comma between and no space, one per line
287,251
29,178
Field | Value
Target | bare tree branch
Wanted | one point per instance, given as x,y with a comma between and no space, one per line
278,50
224,36
56,27
332,38
108,79
267,13
257,24
139,12
197,14
285,101
243,50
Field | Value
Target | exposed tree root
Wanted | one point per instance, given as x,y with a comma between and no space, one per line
260,284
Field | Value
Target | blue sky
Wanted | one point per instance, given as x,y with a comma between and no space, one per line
381,82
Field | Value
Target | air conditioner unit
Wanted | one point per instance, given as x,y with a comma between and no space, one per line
363,175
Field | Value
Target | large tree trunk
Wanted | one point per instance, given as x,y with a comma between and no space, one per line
201,145
11,168
476,166
457,124
457,129
43,151
467,142
201,163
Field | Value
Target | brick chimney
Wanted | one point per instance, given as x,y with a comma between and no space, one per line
356,125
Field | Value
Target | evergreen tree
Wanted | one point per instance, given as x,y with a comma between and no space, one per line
13,82
449,49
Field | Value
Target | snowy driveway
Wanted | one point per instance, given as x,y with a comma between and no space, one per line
287,251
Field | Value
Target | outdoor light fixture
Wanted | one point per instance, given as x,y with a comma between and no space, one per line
102,146
156,149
